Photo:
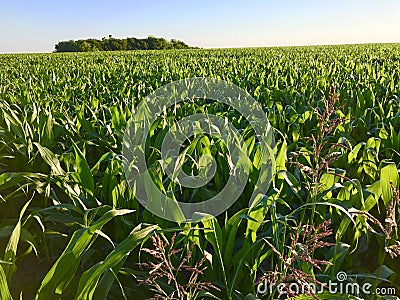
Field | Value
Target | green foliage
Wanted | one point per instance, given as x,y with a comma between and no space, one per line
66,207
113,44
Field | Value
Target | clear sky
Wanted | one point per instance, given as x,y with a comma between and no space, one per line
37,25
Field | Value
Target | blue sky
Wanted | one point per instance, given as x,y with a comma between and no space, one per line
36,26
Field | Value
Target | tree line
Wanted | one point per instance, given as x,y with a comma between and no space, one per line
113,44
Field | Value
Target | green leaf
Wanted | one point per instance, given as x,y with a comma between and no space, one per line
63,270
250,297
389,175
84,175
90,279
281,157
4,291
327,295
230,235
10,253
51,159
213,234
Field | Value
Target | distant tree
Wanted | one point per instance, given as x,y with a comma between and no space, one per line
67,46
83,46
156,43
178,44
113,44
132,44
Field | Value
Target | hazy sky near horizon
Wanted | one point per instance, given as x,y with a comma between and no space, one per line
37,25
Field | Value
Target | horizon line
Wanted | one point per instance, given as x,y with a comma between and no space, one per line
227,47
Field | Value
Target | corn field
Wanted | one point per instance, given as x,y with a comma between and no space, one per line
72,228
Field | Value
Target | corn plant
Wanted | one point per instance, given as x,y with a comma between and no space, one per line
68,212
